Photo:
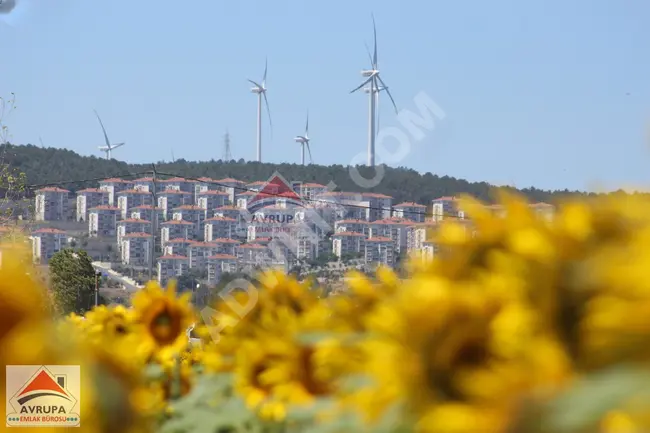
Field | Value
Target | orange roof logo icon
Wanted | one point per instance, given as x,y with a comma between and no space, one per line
41,385
275,189
45,396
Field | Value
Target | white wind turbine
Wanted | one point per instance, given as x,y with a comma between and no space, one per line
260,90
375,85
304,142
109,147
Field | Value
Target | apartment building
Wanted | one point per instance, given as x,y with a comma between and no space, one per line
379,251
211,200
171,267
418,235
229,211
198,253
342,205
52,204
170,199
131,198
203,184
445,208
393,228
181,184
194,215
177,247
251,255
102,221
354,205
255,186
305,244
542,210
243,199
218,264
380,206
411,211
309,191
144,184
135,249
225,246
147,212
46,242
230,186
113,186
219,227
175,229
350,225
348,244
131,225
89,198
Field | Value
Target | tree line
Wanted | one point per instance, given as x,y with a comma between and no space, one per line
51,165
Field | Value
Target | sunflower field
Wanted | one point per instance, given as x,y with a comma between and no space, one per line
517,325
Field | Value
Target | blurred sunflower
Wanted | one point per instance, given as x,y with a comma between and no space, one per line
445,349
104,321
162,320
21,296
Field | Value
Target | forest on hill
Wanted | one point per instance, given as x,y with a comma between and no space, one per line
51,165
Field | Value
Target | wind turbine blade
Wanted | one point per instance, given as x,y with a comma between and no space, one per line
266,67
108,143
268,111
254,83
115,146
388,91
309,150
307,125
374,30
41,140
362,84
369,55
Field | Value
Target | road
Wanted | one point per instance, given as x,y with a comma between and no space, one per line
128,283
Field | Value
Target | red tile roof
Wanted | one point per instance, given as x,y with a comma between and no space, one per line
219,218
222,257
177,222
134,220
105,207
172,257
49,230
409,204
52,189
225,241
136,235
380,239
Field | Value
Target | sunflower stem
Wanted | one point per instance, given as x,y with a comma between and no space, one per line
175,386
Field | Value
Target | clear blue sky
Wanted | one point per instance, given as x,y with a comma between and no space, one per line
548,93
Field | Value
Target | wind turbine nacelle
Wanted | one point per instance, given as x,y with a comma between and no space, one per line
368,72
104,148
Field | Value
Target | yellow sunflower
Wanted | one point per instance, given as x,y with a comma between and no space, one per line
111,322
162,319
21,296
440,347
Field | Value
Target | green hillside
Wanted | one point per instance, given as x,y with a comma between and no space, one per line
51,165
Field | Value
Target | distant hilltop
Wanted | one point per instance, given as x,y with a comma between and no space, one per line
75,172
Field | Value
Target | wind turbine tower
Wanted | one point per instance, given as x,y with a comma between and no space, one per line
303,140
260,89
375,85
108,147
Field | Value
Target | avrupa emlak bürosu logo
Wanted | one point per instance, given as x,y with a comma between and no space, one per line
43,395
